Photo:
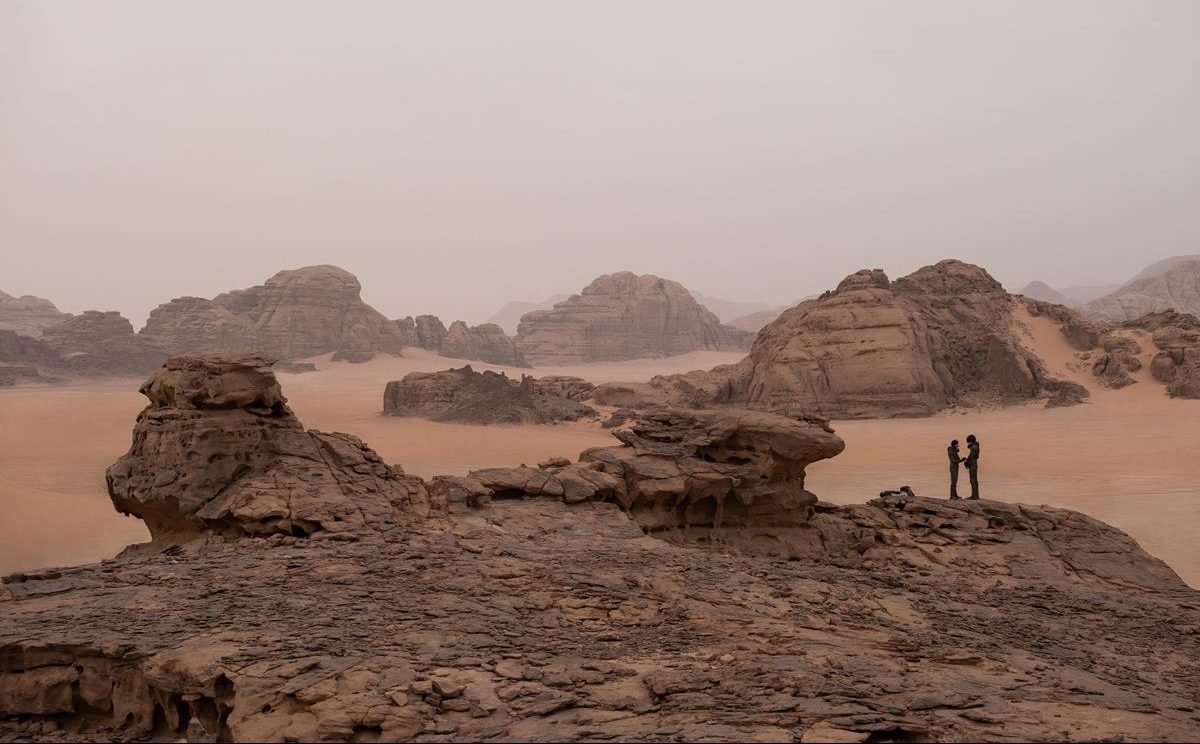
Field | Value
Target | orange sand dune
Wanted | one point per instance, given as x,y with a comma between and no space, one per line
1127,457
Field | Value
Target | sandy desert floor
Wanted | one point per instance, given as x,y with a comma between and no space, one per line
1128,457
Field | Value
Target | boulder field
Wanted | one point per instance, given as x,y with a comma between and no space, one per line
682,584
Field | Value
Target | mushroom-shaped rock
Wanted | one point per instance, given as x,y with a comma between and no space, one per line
218,449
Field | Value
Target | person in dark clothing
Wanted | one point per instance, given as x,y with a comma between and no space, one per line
972,463
952,452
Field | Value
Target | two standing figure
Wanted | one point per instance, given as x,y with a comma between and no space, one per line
971,461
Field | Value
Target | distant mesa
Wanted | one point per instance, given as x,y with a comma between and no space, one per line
1171,284
28,315
294,314
466,396
624,316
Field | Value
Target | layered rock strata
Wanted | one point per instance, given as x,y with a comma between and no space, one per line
218,450
624,316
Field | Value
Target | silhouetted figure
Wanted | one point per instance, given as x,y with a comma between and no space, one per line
955,459
972,463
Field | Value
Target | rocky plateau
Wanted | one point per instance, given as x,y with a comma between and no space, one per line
681,585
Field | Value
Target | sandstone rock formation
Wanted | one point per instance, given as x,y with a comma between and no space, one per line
467,396
28,315
294,314
1115,356
486,342
939,337
102,343
624,316
218,450
1177,363
1170,285
534,608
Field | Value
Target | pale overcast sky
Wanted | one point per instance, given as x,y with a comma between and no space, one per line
457,155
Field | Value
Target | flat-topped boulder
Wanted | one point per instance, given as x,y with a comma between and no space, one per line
624,316
217,450
467,396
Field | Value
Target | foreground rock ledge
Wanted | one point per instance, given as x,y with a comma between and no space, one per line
520,605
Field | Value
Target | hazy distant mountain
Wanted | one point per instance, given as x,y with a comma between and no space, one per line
1170,284
509,316
1081,293
729,310
755,322
28,315
1045,293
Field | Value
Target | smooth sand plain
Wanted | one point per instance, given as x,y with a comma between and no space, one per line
1128,457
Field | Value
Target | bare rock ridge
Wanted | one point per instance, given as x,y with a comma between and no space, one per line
536,604
465,395
218,450
1173,284
1045,293
28,315
937,338
624,316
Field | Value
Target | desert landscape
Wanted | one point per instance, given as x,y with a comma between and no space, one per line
657,372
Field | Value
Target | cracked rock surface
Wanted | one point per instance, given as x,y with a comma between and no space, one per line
607,599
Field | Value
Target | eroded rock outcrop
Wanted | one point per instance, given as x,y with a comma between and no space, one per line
218,450
467,396
28,315
485,342
939,337
294,314
102,343
1177,362
537,609
624,316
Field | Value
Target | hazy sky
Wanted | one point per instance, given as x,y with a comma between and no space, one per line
458,155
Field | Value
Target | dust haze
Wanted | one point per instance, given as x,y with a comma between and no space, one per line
456,156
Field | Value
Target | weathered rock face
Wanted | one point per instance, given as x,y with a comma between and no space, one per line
705,470
624,316
102,343
1173,286
1177,363
28,315
467,396
535,609
20,350
217,449
294,314
486,342
939,337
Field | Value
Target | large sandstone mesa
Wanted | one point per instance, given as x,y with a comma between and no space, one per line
28,315
466,396
218,450
939,337
1173,284
537,607
624,316
294,314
